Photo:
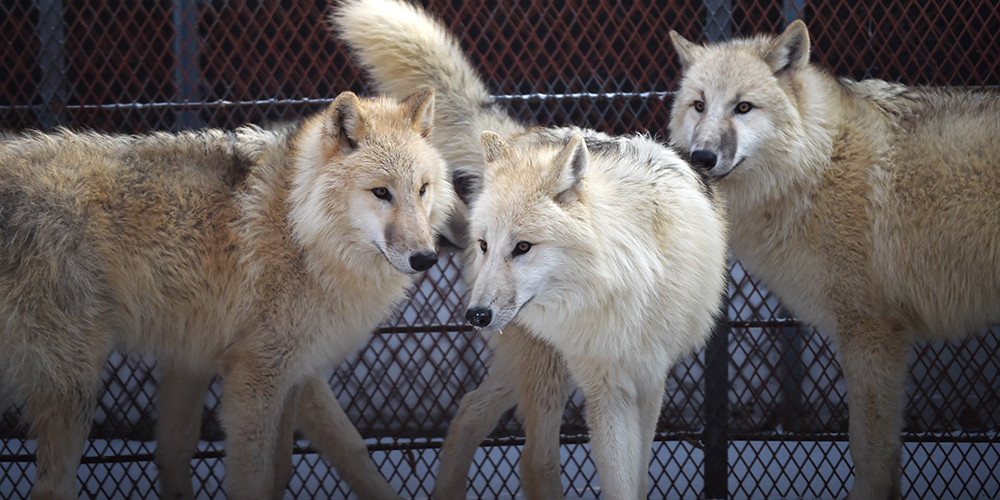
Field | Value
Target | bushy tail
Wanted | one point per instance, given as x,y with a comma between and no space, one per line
403,48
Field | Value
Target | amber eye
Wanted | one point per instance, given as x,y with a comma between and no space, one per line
482,245
743,107
521,248
382,193
699,106
423,189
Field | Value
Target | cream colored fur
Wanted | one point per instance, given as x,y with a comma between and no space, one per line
625,270
871,208
263,256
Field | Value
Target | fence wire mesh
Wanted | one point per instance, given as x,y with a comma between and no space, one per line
780,429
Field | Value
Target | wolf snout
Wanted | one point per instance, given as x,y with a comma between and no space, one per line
479,316
422,261
704,159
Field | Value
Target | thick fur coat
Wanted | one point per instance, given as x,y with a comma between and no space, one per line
600,259
260,255
871,208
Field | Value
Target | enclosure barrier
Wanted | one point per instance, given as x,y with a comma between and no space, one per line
760,413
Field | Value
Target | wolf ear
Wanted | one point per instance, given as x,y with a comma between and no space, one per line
344,123
687,50
420,108
571,168
495,149
791,49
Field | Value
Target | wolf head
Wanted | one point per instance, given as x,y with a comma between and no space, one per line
738,98
525,226
369,184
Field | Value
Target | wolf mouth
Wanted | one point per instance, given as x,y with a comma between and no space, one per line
731,170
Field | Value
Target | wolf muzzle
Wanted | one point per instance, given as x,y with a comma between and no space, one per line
704,159
423,261
479,316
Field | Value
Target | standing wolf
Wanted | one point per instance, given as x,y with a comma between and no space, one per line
263,256
872,209
609,252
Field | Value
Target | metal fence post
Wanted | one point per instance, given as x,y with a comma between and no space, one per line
718,22
716,410
792,372
792,10
52,62
186,47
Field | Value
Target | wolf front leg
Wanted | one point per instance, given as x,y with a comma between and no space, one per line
874,359
543,386
253,400
477,416
616,404
180,400
329,429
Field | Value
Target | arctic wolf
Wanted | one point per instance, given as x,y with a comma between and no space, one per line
872,209
604,257
263,256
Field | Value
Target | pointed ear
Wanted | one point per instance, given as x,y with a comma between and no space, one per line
344,122
420,108
571,168
687,51
791,49
495,149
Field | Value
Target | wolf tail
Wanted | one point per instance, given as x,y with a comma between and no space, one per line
403,48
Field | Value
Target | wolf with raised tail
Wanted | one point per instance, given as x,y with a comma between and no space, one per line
264,256
870,208
601,259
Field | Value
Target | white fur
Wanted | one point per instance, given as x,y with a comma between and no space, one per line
624,275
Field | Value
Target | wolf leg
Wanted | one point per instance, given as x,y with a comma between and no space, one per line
60,421
614,422
180,400
477,416
543,388
329,429
874,361
650,406
285,444
251,410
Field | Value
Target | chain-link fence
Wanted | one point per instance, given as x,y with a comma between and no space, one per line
777,417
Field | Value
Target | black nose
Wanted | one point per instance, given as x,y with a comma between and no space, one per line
479,316
703,159
423,261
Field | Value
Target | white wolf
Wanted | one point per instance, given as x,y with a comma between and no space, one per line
610,252
870,208
263,256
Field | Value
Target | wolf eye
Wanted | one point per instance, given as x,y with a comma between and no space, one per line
482,245
743,107
423,189
521,248
699,106
382,193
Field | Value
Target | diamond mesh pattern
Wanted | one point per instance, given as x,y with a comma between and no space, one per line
780,428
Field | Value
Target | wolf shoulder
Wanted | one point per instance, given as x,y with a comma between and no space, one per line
651,178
